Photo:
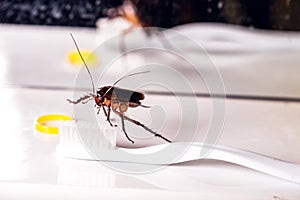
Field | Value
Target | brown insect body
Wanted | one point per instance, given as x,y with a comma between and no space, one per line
118,95
118,98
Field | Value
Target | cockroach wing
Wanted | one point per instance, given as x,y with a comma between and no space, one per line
124,95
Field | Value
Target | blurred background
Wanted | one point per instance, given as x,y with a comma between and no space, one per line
264,14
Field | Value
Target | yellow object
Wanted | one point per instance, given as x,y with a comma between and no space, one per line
41,123
89,57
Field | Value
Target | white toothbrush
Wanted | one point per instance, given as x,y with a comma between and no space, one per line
72,146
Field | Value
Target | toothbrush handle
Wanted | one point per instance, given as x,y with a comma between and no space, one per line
275,167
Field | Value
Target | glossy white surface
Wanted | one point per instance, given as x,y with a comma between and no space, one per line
30,164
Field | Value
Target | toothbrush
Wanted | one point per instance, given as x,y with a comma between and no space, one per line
72,145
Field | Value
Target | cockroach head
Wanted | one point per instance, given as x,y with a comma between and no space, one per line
98,95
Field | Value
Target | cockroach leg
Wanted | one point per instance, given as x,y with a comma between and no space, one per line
99,108
140,124
123,126
84,102
162,39
108,117
80,99
107,114
123,48
104,111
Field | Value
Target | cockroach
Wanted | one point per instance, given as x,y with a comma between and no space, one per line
164,14
115,99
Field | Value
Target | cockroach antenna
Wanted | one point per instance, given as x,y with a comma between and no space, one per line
133,74
83,62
